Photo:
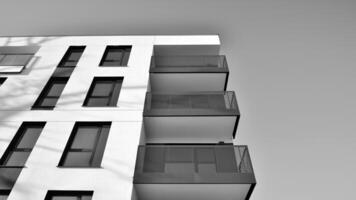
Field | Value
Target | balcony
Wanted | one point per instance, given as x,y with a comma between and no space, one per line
197,117
188,73
185,172
8,176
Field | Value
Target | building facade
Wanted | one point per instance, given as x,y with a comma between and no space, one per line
119,117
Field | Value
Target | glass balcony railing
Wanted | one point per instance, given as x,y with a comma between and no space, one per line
197,103
204,63
193,164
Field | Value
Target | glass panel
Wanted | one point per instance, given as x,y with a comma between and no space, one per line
180,168
111,63
160,101
225,159
3,197
154,160
125,59
70,64
199,101
217,101
1,56
77,159
114,55
98,101
102,89
74,56
17,158
205,155
179,154
15,60
49,102
207,168
85,138
180,101
56,89
86,197
65,198
29,138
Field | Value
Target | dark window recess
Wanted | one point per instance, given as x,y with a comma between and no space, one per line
71,57
4,194
51,93
104,91
116,56
22,144
2,80
15,59
86,145
69,195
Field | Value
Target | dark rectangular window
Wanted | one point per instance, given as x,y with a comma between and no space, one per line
86,144
4,194
22,144
51,93
2,80
68,195
103,92
116,56
14,59
72,56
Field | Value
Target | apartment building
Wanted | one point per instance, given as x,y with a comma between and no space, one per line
119,117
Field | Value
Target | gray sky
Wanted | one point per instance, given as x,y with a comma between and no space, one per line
292,65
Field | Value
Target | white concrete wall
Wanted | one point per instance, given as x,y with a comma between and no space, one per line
19,92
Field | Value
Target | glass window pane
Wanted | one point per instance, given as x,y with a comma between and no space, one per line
49,102
29,138
114,55
85,138
98,102
179,154
125,59
74,56
17,158
86,197
56,89
65,198
113,63
77,159
1,57
102,89
70,64
3,197
15,60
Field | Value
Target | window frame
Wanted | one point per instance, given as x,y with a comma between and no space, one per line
113,96
70,50
16,140
125,49
98,149
19,68
2,80
46,90
70,193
